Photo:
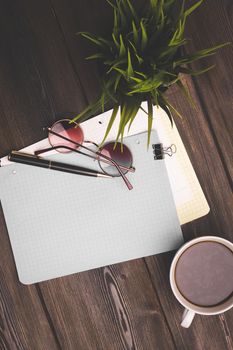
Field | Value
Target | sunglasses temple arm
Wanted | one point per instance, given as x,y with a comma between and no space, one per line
44,150
40,151
127,182
132,170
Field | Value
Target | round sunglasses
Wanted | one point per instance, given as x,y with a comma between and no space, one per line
114,158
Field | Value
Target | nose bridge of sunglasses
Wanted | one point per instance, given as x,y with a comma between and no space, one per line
117,153
121,169
92,143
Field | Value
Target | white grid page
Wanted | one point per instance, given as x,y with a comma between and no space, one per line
189,198
62,223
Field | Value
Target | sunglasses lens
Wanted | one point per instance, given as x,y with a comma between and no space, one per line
120,154
71,131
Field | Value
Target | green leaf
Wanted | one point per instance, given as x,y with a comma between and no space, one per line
122,47
122,121
90,110
170,50
181,24
122,14
132,45
108,89
199,54
157,10
110,123
130,71
118,63
121,71
111,3
172,107
178,34
117,80
128,112
192,8
132,10
177,38
95,56
192,72
186,93
161,14
144,35
150,120
92,38
134,112
154,94
153,4
143,57
143,110
170,82
107,43
135,34
137,80
115,41
146,85
163,105
129,109
140,60
116,22
141,74
84,113
102,101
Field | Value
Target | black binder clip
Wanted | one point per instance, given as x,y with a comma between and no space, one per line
160,151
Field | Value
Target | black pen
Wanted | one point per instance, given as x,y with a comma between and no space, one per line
31,159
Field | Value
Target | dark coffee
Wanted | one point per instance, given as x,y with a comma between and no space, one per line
204,273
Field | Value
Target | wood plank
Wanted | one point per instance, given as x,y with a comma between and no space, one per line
37,78
208,138
23,320
206,332
77,17
115,307
109,308
91,16
31,75
215,89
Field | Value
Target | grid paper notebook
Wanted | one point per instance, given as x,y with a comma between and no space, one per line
62,223
189,198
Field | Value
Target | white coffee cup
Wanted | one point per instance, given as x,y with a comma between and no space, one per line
192,309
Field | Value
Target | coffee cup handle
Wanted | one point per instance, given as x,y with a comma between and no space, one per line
187,318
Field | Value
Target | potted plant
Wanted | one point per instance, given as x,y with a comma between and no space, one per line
140,59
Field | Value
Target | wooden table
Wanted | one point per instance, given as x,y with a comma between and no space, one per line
43,76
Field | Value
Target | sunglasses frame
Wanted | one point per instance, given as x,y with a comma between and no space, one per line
99,154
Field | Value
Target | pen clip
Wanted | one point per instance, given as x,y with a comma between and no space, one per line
18,153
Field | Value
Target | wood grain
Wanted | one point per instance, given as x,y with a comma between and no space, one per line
202,141
43,76
107,308
23,321
37,80
215,88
